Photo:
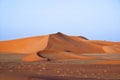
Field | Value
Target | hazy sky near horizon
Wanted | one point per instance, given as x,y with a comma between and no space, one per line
94,19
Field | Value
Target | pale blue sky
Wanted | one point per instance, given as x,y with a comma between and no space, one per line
95,19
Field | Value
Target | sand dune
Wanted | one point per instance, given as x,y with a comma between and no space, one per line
109,62
61,46
112,49
102,43
57,46
62,42
25,46
79,38
108,47
33,57
65,56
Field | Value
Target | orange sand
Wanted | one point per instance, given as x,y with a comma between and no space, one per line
33,57
57,46
109,62
25,46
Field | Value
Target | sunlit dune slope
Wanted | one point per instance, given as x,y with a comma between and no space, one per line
109,62
112,49
108,47
102,43
25,46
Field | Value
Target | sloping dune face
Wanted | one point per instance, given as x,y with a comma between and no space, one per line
109,62
25,46
102,43
79,38
33,57
108,47
112,49
61,42
57,46
62,55
61,46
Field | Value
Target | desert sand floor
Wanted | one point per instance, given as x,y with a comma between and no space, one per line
58,71
11,68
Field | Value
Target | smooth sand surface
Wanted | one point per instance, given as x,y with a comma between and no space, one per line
112,49
25,45
109,62
33,57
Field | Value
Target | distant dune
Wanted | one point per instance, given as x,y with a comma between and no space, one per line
112,49
109,62
57,46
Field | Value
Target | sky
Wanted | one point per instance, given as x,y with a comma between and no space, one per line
94,19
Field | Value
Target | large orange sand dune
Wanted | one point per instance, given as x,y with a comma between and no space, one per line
57,46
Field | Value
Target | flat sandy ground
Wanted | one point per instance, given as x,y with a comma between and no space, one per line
58,71
13,69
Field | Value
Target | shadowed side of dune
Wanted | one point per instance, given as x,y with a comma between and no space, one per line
51,55
62,42
61,46
79,38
